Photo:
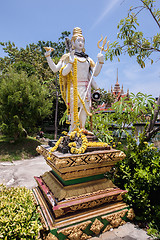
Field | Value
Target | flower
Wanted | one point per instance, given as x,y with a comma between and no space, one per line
73,145
97,144
64,132
57,144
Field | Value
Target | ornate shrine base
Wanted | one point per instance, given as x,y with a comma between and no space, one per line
76,200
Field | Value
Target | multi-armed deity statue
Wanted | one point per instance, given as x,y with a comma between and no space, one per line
76,200
76,78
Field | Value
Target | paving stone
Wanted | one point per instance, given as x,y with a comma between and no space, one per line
132,231
140,234
129,238
124,230
21,173
109,236
95,238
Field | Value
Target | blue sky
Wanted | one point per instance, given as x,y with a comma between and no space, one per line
28,21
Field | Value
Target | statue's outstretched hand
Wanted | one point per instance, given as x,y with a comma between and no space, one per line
48,51
71,57
100,58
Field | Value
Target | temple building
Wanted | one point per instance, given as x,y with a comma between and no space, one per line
117,93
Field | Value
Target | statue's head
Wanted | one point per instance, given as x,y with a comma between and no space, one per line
78,40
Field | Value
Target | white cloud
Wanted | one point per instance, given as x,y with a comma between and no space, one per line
107,10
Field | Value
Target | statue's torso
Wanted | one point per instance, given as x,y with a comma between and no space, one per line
82,71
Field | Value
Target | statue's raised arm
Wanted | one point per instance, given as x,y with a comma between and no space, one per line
55,68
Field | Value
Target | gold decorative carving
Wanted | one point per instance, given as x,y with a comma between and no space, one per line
60,192
59,212
109,226
43,151
79,173
84,173
130,214
92,204
96,226
75,235
50,236
89,160
115,219
85,236
75,232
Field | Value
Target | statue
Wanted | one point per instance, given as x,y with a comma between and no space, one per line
76,78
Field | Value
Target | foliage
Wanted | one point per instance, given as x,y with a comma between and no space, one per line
139,173
18,215
125,113
31,60
131,40
101,124
105,97
23,103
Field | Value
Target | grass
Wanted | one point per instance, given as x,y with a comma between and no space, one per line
11,150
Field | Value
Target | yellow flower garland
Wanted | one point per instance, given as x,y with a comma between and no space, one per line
75,93
63,87
57,144
72,145
97,144
68,94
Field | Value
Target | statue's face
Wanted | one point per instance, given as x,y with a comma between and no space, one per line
79,43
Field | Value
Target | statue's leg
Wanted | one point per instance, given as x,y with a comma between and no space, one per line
72,126
83,114
82,118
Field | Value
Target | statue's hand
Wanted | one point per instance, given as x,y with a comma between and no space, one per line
71,57
100,58
48,51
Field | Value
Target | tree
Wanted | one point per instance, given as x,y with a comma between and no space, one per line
24,103
134,43
131,40
32,61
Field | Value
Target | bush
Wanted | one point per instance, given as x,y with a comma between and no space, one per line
18,216
24,103
139,173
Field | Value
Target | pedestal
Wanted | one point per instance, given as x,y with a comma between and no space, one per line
76,200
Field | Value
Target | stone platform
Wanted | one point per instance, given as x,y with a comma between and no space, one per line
76,200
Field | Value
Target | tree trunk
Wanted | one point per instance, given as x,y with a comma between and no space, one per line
151,130
56,112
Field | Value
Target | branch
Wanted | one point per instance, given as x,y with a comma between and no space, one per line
151,134
147,49
150,130
138,11
151,12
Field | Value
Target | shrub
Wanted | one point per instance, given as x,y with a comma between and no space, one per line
139,173
18,215
24,103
